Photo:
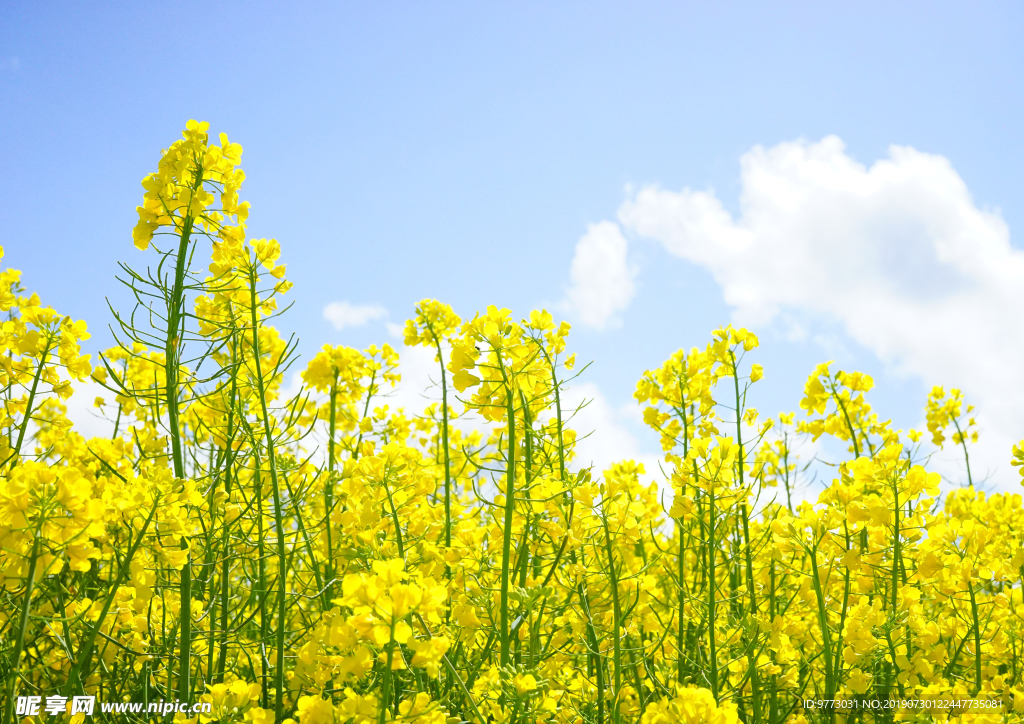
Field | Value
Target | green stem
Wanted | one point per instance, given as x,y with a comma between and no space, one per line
681,563
282,571
594,646
85,650
680,633
228,468
510,489
455,675
324,600
524,548
849,423
616,613
967,458
713,653
382,709
19,642
394,518
329,487
444,448
826,639
172,350
896,554
261,572
977,640
739,470
16,454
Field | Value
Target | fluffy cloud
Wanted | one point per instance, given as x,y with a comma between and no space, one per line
88,419
899,254
606,436
343,314
420,384
602,280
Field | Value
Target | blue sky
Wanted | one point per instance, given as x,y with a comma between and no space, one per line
462,151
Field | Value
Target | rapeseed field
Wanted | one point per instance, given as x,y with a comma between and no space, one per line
323,557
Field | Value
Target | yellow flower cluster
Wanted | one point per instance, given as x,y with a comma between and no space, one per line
320,557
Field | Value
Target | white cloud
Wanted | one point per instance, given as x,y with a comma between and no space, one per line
419,386
602,280
343,314
87,418
899,254
605,436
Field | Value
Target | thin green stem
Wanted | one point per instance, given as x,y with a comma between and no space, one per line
282,570
510,489
329,486
826,637
172,351
382,709
444,447
740,464
967,457
16,453
19,642
977,639
85,650
613,583
712,643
